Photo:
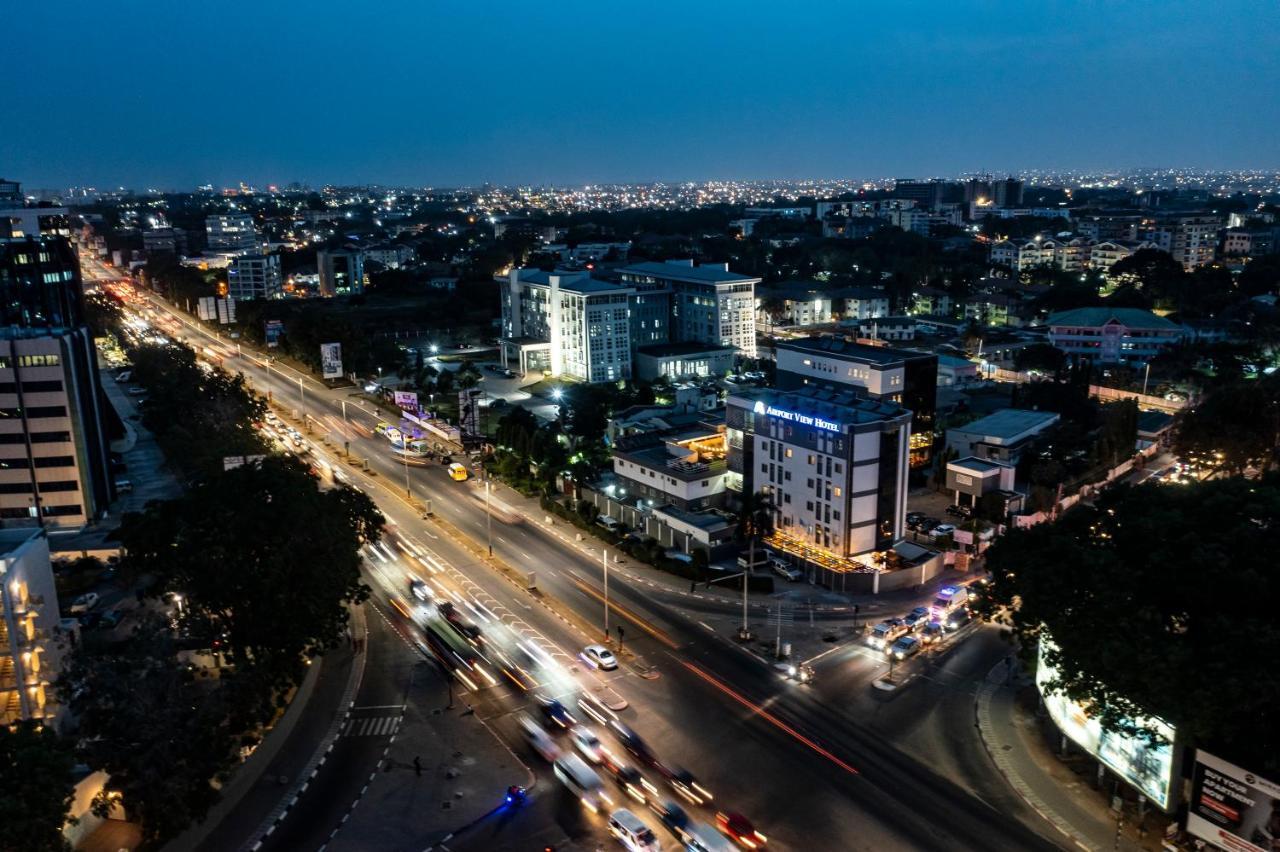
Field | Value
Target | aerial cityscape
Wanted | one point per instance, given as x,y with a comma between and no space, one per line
539,429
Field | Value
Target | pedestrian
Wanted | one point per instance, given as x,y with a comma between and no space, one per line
417,766
693,584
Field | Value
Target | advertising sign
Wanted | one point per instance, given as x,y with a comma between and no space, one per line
226,311
272,332
206,309
407,400
1147,766
331,360
1232,808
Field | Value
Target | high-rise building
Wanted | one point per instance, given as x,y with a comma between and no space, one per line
54,462
702,304
341,272
877,372
18,219
231,233
1007,192
31,649
833,465
1192,240
255,276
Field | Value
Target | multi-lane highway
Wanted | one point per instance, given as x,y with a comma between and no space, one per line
835,765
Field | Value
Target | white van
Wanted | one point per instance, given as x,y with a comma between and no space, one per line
581,780
632,832
538,738
700,837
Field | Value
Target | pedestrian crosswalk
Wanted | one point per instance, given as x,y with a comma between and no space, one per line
372,726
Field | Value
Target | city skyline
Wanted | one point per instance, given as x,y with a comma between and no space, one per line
460,97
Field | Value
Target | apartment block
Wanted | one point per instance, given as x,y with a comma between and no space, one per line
32,642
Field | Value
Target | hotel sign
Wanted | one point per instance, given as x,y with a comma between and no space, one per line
794,417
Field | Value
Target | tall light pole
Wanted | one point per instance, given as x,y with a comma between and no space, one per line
404,449
604,555
488,487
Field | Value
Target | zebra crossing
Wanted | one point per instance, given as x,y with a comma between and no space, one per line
372,726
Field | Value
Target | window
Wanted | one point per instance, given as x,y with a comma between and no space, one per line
788,476
39,360
54,461
64,485
788,452
15,487
37,411
786,498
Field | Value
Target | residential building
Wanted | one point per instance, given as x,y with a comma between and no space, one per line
932,301
1237,242
1105,254
863,303
992,309
956,372
833,465
165,241
877,372
1002,436
32,641
392,256
255,276
1125,227
925,221
975,478
231,233
1192,240
793,303
341,272
680,361
54,463
684,468
1112,335
887,329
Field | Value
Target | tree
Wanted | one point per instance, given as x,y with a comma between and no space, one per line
1148,596
1237,425
1041,357
161,736
261,556
1156,273
36,786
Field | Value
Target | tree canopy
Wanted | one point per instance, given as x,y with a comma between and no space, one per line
36,786
1237,425
1155,597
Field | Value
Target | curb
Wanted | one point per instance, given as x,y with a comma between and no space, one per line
987,735
321,754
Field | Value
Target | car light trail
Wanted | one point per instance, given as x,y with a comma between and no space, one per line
628,614
765,714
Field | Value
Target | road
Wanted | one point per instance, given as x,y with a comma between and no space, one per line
812,766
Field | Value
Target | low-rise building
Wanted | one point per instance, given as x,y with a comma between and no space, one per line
683,468
1113,335
863,303
1002,436
931,301
32,640
680,361
887,329
392,256
1105,254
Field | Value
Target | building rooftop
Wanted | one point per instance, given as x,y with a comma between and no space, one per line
859,352
977,465
1099,317
13,538
1009,423
839,406
710,521
687,272
1153,422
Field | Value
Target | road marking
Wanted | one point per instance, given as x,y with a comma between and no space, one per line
372,726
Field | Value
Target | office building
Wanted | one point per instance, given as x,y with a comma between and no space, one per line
571,323
231,233
255,276
681,361
1113,335
1001,437
392,256
165,241
19,219
833,465
53,450
877,372
341,272
31,639
702,304
1192,240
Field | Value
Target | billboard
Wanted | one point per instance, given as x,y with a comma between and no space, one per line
226,311
1232,808
1146,766
331,360
407,400
206,308
272,332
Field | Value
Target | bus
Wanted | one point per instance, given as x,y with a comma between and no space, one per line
458,472
449,648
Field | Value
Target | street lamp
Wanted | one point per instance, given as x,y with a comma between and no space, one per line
604,557
488,487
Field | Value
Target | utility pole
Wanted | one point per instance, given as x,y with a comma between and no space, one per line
404,446
604,558
488,511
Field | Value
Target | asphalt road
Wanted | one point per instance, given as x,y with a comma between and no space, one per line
814,767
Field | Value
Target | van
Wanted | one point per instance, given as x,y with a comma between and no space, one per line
608,523
633,833
701,837
581,780
538,739
458,472
950,599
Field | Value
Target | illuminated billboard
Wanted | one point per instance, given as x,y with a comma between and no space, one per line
1146,766
1232,808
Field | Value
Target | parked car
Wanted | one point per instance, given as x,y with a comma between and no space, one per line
111,618
785,571
600,657
959,511
914,519
84,603
942,530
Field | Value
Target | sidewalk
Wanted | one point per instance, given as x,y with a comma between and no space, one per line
465,770
1060,790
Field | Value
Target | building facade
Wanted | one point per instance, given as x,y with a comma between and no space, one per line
341,272
907,378
231,233
31,649
833,466
255,276
1113,335
707,304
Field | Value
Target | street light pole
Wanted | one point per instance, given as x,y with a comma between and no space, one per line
604,555
488,511
404,446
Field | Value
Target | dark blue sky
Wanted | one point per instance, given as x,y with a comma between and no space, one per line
172,94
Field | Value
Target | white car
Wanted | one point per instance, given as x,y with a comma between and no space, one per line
586,741
84,603
539,740
942,529
600,657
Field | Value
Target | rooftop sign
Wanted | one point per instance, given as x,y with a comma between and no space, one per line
802,419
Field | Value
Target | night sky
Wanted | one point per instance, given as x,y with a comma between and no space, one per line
173,94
